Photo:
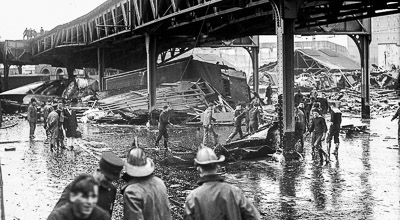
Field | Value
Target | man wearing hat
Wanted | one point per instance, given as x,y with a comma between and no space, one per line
145,195
61,118
109,169
214,198
32,118
208,125
52,128
163,122
46,111
83,197
255,118
318,128
238,117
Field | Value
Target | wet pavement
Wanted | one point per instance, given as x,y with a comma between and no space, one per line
362,183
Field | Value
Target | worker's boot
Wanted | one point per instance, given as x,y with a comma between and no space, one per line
336,151
167,149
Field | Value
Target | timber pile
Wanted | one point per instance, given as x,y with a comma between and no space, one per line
183,96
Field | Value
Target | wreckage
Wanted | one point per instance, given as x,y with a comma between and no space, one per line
78,88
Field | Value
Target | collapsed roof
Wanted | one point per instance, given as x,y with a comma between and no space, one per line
323,60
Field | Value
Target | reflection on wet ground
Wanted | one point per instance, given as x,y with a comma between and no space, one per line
362,183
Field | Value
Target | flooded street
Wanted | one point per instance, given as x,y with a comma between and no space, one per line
363,183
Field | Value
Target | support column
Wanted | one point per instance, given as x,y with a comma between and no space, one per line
6,73
19,69
100,67
70,71
288,88
151,70
365,75
255,60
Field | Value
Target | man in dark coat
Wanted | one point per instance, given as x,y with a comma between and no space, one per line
268,94
214,198
70,126
46,111
82,199
145,195
238,117
334,130
298,97
254,115
32,118
318,128
109,169
247,117
163,122
61,131
300,128
52,128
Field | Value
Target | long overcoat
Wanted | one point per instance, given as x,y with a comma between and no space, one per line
70,123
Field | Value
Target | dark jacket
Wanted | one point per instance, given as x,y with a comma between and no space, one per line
268,92
254,116
300,121
46,111
52,124
65,212
32,113
239,115
146,198
216,200
107,194
318,125
70,123
163,120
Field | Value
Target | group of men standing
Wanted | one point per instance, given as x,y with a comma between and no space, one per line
252,118
310,119
59,122
145,196
31,33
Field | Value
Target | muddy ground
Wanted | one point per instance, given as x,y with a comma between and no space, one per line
362,183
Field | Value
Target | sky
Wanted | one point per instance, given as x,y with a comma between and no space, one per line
16,15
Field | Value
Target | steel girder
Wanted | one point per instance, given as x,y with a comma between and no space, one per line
177,22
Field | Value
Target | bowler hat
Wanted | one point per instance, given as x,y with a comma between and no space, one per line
111,165
138,164
207,156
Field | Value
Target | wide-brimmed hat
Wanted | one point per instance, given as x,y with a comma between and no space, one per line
207,156
111,165
138,164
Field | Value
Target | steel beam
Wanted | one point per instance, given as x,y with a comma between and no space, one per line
365,81
288,87
151,70
6,73
255,51
100,66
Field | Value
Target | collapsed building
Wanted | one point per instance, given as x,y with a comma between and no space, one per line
187,83
321,69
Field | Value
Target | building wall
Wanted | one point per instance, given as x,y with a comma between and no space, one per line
385,42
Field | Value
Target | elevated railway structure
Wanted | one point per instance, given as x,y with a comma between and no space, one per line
130,34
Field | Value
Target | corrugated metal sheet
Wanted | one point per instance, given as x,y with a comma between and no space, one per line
331,59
